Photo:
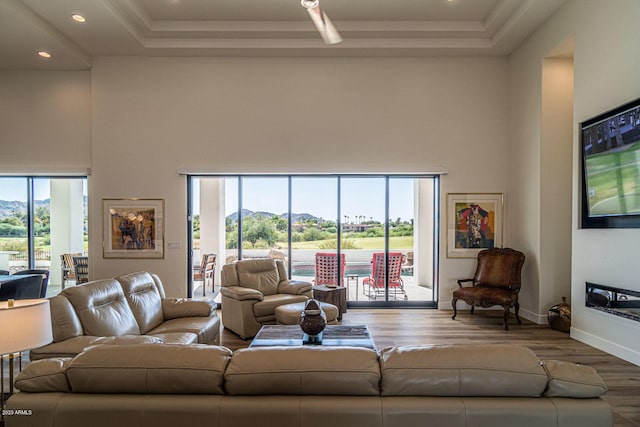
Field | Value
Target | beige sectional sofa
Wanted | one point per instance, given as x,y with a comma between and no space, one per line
159,385
130,309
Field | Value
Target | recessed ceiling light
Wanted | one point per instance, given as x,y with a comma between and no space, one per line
44,54
78,18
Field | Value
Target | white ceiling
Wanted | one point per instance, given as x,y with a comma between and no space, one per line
259,28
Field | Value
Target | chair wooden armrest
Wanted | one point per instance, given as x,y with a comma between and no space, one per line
461,281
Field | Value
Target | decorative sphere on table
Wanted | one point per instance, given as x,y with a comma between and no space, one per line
312,319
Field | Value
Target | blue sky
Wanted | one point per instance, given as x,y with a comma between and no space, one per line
16,189
317,196
313,195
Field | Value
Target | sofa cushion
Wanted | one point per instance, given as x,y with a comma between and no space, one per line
174,308
143,298
173,369
67,348
177,337
129,340
470,370
65,322
568,379
75,345
44,376
259,274
206,328
303,371
158,284
103,308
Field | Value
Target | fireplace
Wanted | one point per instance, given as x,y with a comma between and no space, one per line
617,301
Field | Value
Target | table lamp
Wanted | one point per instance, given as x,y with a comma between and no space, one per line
25,324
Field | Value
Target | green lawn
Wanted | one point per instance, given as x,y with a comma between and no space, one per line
610,174
404,242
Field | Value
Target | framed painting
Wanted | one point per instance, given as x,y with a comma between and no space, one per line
474,222
133,228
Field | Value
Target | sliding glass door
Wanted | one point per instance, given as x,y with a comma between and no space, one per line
361,231
42,218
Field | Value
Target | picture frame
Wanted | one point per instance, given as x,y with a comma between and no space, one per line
133,228
474,223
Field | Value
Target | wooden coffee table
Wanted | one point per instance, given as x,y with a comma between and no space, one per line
332,336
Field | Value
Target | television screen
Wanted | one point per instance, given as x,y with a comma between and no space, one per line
611,168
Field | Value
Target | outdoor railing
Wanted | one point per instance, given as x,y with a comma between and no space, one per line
40,255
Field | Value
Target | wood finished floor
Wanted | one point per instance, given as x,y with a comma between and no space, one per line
403,327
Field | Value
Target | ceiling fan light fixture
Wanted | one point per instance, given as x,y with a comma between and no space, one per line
309,4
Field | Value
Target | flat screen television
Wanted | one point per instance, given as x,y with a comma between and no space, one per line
610,146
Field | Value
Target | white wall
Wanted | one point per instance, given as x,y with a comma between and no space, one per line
45,121
606,66
149,118
155,116
556,153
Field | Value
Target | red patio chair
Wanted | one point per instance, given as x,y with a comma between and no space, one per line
327,269
375,284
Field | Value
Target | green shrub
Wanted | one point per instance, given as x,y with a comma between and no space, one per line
333,244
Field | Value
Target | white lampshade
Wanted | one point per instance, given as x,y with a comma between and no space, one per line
26,325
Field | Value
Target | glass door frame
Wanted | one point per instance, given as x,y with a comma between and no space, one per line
433,303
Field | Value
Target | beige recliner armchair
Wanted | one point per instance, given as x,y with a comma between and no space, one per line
251,291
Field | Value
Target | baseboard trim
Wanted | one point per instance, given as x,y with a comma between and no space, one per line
536,318
617,350
526,314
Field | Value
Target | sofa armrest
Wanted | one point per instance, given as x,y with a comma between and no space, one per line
241,293
294,287
174,308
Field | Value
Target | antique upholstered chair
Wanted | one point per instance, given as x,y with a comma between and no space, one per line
252,289
496,282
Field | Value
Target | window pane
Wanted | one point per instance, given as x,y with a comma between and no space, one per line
59,226
411,233
360,205
402,202
14,253
363,211
42,223
264,217
314,216
231,198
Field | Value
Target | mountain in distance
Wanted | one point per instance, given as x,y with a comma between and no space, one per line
294,217
8,207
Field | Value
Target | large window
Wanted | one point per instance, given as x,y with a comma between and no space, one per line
42,218
357,221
